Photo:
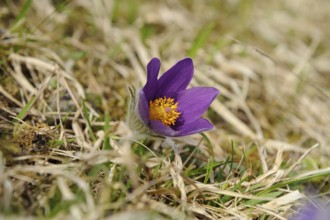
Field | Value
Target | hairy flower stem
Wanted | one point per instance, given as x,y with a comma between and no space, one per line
177,159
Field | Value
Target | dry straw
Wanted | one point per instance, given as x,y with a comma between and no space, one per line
65,148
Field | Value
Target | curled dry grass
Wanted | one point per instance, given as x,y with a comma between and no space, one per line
66,150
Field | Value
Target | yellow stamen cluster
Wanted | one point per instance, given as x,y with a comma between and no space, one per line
164,110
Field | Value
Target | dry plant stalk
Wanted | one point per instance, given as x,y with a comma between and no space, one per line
65,148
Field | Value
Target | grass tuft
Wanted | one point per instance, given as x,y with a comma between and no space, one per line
66,150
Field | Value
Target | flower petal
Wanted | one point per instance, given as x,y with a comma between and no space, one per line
176,79
143,107
195,101
159,128
194,127
151,86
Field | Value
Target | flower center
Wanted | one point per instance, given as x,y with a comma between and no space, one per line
164,110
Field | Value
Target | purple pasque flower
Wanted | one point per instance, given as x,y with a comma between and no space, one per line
167,107
312,212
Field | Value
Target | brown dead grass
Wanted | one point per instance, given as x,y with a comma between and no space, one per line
269,60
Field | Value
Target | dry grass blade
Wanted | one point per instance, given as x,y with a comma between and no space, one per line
66,150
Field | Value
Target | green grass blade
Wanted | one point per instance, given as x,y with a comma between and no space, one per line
299,179
254,202
211,162
232,156
106,129
26,108
89,124
22,14
200,39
